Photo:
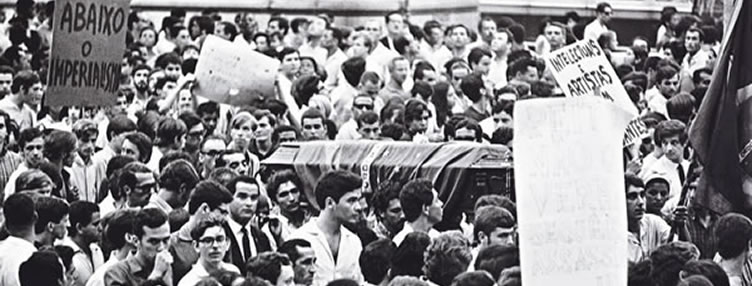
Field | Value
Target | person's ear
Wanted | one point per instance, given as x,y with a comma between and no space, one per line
426,209
330,202
131,238
50,226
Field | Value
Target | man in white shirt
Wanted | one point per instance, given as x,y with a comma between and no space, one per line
671,137
118,228
422,207
19,222
349,130
432,46
285,189
31,142
85,232
246,240
212,244
338,194
313,46
27,90
646,232
85,175
486,30
459,37
500,46
598,26
380,55
395,27
696,57
666,86
335,56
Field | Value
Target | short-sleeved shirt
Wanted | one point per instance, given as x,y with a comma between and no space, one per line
346,265
24,116
654,232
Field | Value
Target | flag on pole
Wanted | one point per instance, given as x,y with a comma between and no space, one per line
722,131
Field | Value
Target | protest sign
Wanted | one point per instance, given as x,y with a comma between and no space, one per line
234,74
569,183
87,52
636,131
582,69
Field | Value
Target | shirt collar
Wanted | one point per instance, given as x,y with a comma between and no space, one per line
236,227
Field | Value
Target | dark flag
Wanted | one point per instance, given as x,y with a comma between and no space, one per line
722,131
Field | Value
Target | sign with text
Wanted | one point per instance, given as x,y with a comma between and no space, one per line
234,74
87,52
635,132
569,183
582,69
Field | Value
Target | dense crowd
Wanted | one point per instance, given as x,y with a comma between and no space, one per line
167,187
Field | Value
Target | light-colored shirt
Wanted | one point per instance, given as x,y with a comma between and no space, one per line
498,73
237,230
87,177
156,155
97,279
595,29
654,232
84,265
8,164
23,115
691,63
436,55
656,101
155,201
327,269
408,229
198,272
14,251
348,131
333,66
317,53
10,187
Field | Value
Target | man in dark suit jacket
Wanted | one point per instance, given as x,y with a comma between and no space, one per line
246,241
395,27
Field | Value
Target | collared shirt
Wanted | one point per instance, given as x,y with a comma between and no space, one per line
317,53
131,272
85,265
21,250
288,228
97,279
10,187
346,265
107,205
595,29
379,59
668,170
333,66
389,92
654,232
237,230
86,177
498,73
348,131
691,63
23,115
198,272
436,55
656,101
8,164
408,229
156,155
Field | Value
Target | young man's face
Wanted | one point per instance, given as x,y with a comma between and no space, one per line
92,232
244,202
272,27
530,75
305,266
705,79
369,131
286,276
349,208
500,236
129,149
673,148
373,28
237,162
669,87
554,35
503,119
692,41
173,71
194,137
501,43
139,195
656,195
264,129
436,36
210,120
290,64
396,24
435,211
262,43
393,217
317,27
459,37
5,81
605,16
635,203
483,66
488,28
288,197
313,129
60,229
33,152
183,38
34,94
213,245
86,144
420,125
154,241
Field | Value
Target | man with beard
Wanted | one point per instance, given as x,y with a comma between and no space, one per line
60,150
31,143
84,174
27,90
84,233
194,136
140,76
246,240
286,191
212,243
389,215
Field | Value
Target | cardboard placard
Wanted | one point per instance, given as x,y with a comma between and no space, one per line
636,131
582,69
87,52
569,184
234,74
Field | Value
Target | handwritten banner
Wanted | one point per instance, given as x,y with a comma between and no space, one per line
636,131
569,184
234,74
582,69
87,52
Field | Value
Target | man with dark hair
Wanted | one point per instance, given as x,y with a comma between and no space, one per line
417,116
468,130
285,189
646,231
42,268
209,114
52,220
170,137
116,228
473,87
314,125
31,143
6,79
262,144
422,207
480,61
671,137
349,130
386,204
375,261
277,24
303,260
210,239
493,225
211,149
734,232
331,41
26,91
368,126
246,240
60,150
433,44
523,71
112,135
172,65
495,258
395,27
138,183
84,234
151,262
486,29
701,78
20,219
286,133
599,26
273,267
342,96
666,86
696,58
194,136
459,38
208,200
137,146
501,46
657,191
338,195
85,176
176,182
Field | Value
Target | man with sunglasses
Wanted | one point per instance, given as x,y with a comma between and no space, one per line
598,26
349,131
151,263
211,149
138,183
211,241
85,176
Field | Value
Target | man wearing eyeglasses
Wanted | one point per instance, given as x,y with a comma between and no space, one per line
211,149
211,241
138,183
349,130
598,26
152,263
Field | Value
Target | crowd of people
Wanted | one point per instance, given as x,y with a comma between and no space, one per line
166,187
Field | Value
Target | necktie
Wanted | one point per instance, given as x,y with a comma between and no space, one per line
682,176
246,245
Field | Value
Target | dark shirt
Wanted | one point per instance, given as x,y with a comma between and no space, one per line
470,112
184,255
703,237
129,272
